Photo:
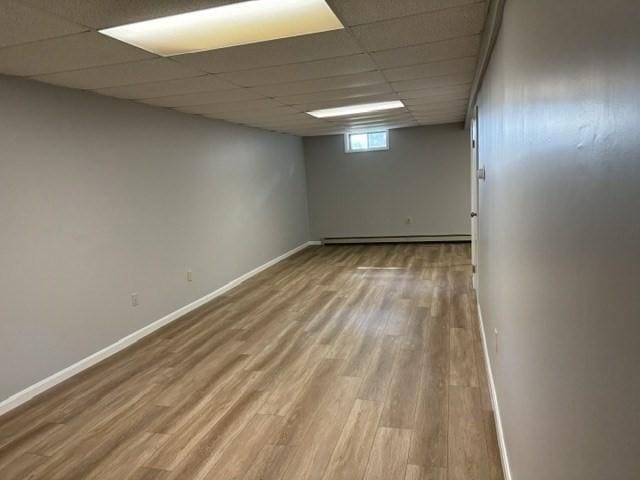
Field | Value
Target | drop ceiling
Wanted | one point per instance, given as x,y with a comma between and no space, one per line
423,52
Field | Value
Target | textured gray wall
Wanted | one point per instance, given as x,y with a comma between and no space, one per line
424,175
559,259
101,197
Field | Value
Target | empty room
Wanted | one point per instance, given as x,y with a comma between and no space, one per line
319,240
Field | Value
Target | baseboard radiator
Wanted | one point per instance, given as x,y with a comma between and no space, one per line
398,239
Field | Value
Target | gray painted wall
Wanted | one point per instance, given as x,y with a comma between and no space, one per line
559,259
101,197
424,175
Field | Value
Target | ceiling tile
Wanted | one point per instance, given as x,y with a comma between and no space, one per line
216,108
260,114
277,52
443,119
437,106
436,98
423,28
321,84
300,124
331,67
428,52
287,126
439,112
289,119
20,23
180,86
431,82
343,93
72,52
120,74
355,12
103,13
461,91
433,69
395,126
312,132
204,98
249,117
444,113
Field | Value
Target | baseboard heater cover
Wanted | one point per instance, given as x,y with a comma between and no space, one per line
398,239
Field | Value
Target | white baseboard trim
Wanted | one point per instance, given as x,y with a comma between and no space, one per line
28,393
397,239
504,457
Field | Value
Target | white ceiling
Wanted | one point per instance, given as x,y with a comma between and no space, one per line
423,52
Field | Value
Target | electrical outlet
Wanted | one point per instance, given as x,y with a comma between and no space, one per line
134,299
189,276
495,334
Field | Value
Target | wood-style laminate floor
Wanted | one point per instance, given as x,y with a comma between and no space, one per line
340,363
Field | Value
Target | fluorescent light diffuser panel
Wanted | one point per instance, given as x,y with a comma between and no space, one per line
355,109
241,23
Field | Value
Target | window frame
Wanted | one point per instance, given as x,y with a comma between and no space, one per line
347,141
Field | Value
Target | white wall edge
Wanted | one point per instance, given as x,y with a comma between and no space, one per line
504,457
28,393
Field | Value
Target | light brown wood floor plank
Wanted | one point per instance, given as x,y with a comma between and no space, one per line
239,454
350,457
23,467
376,381
388,458
315,446
468,458
414,472
402,396
463,360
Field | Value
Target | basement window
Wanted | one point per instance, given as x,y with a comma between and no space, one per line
366,141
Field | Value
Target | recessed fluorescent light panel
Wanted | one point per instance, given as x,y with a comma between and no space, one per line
354,109
239,23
